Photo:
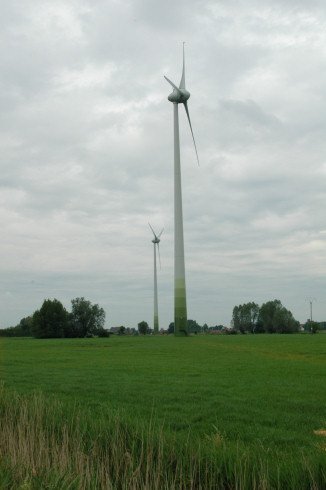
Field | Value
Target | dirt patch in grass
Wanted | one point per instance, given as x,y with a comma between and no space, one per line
320,432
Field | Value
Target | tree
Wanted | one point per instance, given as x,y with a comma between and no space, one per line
245,317
312,326
122,330
24,326
236,318
267,315
23,329
216,328
171,328
193,326
102,332
322,325
253,313
219,327
50,321
11,332
205,328
86,319
143,327
275,318
271,317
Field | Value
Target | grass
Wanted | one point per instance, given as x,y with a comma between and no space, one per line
226,411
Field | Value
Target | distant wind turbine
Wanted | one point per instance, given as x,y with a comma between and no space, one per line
179,96
156,242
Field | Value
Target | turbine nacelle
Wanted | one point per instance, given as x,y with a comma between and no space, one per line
156,241
156,237
179,96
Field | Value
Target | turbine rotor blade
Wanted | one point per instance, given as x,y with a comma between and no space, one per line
152,229
171,83
183,81
158,236
187,111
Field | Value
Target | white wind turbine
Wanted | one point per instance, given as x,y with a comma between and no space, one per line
156,243
179,96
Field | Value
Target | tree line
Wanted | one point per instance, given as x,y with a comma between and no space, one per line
52,320
270,317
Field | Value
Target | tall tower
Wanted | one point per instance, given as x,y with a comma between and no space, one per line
179,96
156,242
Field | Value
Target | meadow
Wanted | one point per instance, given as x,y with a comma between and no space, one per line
163,412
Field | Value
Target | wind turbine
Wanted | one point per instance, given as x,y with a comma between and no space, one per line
156,242
179,96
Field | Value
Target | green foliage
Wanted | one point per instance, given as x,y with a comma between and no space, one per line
244,317
23,329
143,328
51,321
271,317
86,319
8,332
205,328
102,332
171,328
312,327
192,327
275,318
246,406
218,327
45,443
25,326
223,380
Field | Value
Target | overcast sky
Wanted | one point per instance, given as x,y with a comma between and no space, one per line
87,155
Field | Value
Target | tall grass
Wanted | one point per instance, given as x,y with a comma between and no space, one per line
45,443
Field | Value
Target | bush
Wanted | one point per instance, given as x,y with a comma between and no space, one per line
102,332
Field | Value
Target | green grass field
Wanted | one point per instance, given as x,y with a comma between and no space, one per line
262,394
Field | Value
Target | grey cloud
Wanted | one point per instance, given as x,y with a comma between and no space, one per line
87,154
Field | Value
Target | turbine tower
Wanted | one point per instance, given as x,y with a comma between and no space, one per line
179,96
156,242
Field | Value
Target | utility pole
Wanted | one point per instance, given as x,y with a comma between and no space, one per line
311,300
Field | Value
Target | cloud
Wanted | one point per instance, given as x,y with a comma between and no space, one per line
87,155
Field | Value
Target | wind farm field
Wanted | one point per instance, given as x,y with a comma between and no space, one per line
164,412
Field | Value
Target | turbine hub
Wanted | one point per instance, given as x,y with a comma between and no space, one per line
179,96
156,240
